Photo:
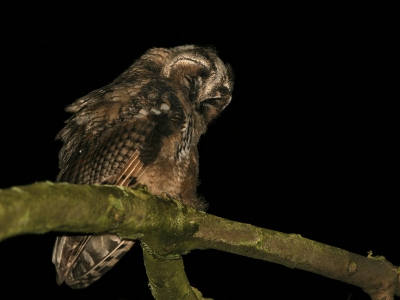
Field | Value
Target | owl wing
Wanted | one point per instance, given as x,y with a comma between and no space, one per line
119,155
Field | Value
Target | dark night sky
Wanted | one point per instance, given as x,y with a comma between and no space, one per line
308,145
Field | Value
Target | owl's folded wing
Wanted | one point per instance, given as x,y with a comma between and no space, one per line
119,156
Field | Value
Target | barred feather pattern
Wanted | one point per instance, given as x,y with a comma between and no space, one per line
143,128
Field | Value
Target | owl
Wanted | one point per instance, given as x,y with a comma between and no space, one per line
143,128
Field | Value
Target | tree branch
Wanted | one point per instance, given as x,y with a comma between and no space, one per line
168,229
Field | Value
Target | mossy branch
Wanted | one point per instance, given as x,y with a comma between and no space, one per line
168,229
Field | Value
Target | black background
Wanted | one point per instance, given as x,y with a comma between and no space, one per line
308,145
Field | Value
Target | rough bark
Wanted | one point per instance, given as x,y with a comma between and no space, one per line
168,229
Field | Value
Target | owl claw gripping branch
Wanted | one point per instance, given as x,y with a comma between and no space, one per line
143,128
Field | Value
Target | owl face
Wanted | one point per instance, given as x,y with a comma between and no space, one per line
206,80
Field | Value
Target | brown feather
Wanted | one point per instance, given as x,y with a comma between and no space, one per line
143,128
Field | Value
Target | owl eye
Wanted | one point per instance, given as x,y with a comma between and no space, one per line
210,101
192,84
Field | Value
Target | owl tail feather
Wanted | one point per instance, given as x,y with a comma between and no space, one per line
91,257
66,250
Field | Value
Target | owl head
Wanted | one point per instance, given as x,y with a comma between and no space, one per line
204,78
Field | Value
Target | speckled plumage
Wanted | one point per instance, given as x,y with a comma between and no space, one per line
143,128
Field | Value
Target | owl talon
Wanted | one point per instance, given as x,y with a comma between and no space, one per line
167,196
141,187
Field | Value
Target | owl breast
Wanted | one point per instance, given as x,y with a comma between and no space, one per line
174,171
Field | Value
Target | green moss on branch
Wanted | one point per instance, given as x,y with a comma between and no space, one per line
170,229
